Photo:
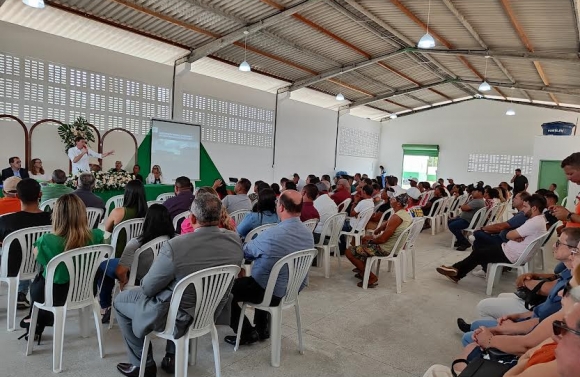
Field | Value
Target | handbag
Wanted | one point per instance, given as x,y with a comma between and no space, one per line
481,368
530,296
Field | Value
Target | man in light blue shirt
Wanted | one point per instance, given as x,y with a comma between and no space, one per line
289,236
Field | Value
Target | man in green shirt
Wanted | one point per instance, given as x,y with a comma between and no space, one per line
56,188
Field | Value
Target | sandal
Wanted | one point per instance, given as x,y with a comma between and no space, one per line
370,285
106,316
356,270
359,276
37,333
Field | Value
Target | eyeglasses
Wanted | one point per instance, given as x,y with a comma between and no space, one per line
560,329
573,249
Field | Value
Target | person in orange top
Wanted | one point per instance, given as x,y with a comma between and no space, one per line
10,203
571,166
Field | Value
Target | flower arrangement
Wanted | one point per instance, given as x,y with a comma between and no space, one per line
68,132
104,181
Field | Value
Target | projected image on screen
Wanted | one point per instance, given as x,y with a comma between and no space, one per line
175,147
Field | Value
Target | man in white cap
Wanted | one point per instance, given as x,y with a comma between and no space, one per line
413,206
413,181
9,203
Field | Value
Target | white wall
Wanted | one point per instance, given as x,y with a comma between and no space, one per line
477,126
305,134
363,165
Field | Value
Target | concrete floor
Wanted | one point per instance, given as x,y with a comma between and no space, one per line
347,331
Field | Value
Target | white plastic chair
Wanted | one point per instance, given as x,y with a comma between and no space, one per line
151,202
564,202
521,264
389,211
211,285
154,245
133,228
116,201
476,222
542,251
47,205
163,197
250,236
28,267
94,215
311,224
182,216
82,265
433,215
239,215
297,265
394,257
342,207
332,228
359,231
409,247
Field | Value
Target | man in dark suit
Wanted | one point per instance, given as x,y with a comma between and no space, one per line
15,169
144,309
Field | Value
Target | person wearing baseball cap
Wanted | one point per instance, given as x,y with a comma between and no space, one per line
9,203
413,181
413,206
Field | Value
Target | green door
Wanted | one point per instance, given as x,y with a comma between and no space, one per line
551,172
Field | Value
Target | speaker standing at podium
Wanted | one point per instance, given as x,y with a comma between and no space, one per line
79,155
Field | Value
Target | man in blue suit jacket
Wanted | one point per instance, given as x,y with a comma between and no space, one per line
14,169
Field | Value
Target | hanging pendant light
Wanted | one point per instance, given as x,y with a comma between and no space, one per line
510,112
484,86
34,3
393,116
340,97
245,66
427,40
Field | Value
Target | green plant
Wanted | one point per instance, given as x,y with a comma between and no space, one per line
68,132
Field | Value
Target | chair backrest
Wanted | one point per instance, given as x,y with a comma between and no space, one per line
47,205
254,202
133,227
211,285
178,219
344,205
478,218
26,238
311,224
454,203
297,264
491,214
163,197
116,201
239,215
551,232
332,228
401,241
151,202
154,245
564,202
531,249
416,228
94,215
256,231
363,219
436,207
82,265
389,211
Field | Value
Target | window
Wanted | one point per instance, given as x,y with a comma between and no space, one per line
358,143
499,163
420,161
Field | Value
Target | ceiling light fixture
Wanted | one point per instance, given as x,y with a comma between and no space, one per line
393,116
427,40
245,66
484,86
340,97
34,3
510,112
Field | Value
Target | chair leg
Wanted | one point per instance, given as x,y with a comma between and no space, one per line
58,338
240,325
404,264
33,321
276,335
453,239
215,342
144,353
491,273
97,317
369,265
378,268
398,271
193,350
299,326
414,262
84,321
12,303
433,225
116,291
326,261
181,355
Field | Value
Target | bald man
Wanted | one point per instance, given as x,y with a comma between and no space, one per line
342,191
289,236
569,340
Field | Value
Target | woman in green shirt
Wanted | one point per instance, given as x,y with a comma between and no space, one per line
70,230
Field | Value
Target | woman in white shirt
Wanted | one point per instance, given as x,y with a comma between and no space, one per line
37,171
155,177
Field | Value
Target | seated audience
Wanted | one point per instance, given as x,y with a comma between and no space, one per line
37,171
508,189
342,191
376,216
283,182
212,247
289,236
553,188
28,193
298,182
14,170
551,201
568,347
468,210
240,200
456,190
309,194
451,184
413,206
70,230
501,194
258,186
491,197
290,185
157,223
156,176
226,222
86,184
325,206
360,203
425,188
265,213
382,241
10,202
136,175
57,187
118,168
438,193
508,252
276,188
393,187
183,198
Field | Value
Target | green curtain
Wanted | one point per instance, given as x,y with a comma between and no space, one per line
421,150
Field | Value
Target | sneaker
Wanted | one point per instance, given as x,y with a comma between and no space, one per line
449,272
22,303
463,247
479,274
463,326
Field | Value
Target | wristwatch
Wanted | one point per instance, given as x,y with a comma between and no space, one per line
569,217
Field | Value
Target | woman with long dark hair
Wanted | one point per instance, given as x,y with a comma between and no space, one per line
265,213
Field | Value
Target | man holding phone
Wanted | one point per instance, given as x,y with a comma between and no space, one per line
571,166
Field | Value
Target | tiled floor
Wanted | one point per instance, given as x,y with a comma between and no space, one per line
347,331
